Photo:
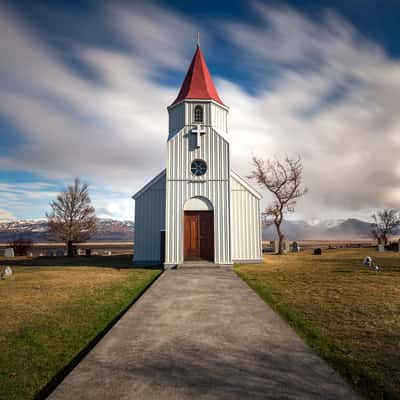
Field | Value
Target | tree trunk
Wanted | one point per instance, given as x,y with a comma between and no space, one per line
281,237
70,247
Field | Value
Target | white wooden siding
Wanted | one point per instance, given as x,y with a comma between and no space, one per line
176,119
246,223
183,185
149,220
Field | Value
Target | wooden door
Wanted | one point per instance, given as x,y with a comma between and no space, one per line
192,236
199,235
207,235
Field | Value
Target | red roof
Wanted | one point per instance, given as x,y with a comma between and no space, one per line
198,83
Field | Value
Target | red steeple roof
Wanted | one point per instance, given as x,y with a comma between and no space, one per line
198,83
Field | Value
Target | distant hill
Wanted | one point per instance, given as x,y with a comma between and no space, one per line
108,230
331,229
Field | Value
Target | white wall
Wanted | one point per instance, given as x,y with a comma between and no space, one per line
149,220
246,224
182,185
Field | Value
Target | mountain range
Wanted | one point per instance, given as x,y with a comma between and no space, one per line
110,230
329,229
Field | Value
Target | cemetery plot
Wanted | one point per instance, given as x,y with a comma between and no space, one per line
344,309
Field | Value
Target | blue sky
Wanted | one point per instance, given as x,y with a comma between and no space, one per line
84,87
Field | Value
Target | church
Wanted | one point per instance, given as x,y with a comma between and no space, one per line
197,210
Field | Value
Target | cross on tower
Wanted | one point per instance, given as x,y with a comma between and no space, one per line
198,130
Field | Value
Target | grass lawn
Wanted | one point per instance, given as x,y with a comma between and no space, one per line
348,314
51,313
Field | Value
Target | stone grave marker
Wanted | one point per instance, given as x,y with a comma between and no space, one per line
6,273
381,247
295,247
49,253
60,253
9,252
286,246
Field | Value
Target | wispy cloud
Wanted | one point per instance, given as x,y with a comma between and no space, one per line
332,98
333,101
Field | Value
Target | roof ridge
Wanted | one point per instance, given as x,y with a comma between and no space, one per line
198,83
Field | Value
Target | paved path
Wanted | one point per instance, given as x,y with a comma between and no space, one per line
201,334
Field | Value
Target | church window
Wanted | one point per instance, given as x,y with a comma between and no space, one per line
198,114
198,167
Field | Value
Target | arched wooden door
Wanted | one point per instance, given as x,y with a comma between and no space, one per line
199,235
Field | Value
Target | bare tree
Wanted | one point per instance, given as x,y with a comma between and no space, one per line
283,179
73,218
385,222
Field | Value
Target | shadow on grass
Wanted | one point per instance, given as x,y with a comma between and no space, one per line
63,372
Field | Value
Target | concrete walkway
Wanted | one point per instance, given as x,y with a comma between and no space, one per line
201,334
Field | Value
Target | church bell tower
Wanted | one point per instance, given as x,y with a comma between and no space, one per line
197,225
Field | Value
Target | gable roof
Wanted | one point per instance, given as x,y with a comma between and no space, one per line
198,83
150,184
246,185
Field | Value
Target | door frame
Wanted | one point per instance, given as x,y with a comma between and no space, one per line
187,212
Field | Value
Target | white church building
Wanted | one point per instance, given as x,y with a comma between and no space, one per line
197,208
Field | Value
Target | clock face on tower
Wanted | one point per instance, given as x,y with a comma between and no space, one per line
198,167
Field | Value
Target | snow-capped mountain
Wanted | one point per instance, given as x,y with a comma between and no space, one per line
116,231
36,230
326,229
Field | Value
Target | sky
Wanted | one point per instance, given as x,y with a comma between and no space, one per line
84,87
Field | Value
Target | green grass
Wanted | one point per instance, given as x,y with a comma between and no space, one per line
52,315
348,314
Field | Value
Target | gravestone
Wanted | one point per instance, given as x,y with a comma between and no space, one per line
276,246
6,273
368,261
9,252
88,252
295,247
286,246
60,253
317,251
381,247
29,254
49,253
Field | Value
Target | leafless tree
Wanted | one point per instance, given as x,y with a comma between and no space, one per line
385,222
284,180
73,219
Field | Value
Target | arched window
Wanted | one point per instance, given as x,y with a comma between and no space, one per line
198,114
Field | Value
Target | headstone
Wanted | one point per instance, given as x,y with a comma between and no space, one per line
29,254
276,246
41,254
60,253
295,247
49,253
7,273
88,252
286,246
9,252
368,261
381,247
317,251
